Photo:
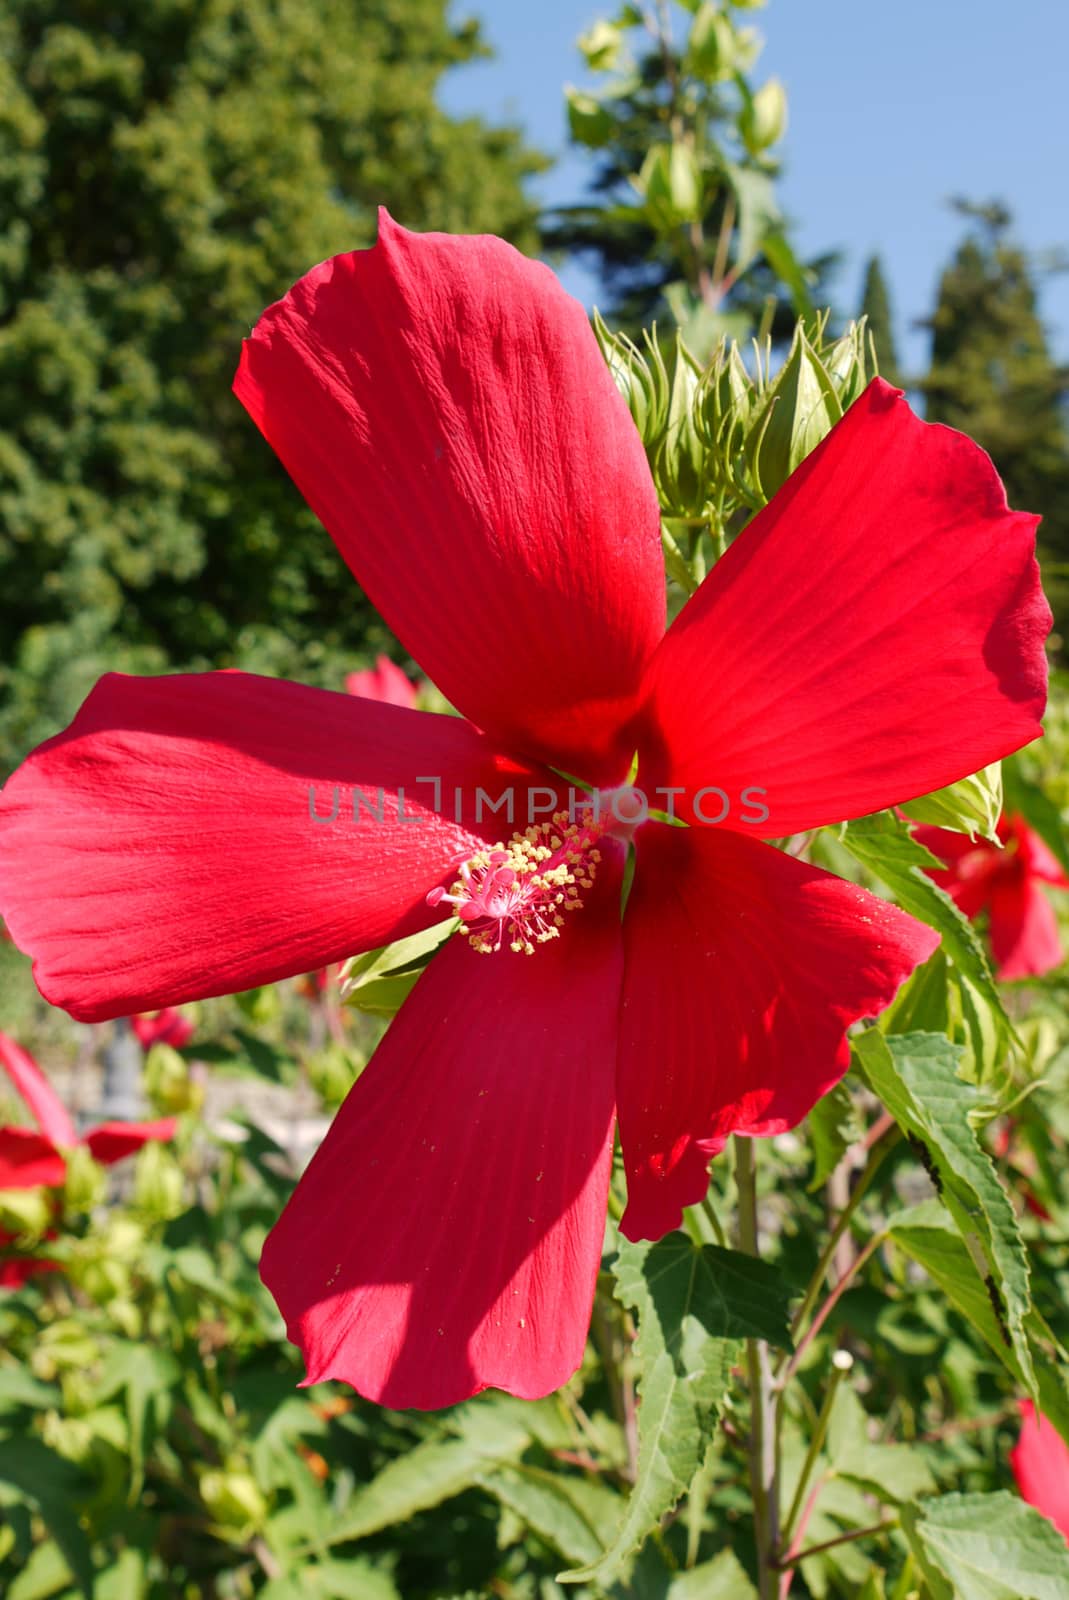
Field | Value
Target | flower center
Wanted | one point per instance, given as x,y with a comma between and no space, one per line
520,892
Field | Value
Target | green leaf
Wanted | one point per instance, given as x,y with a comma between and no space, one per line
568,1513
883,844
333,1580
380,982
125,1578
434,1471
18,1388
723,1578
915,1075
759,213
45,1573
972,806
892,1472
147,1375
695,1305
833,1126
987,1547
928,1236
54,1485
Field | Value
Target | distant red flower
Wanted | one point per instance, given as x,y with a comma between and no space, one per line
16,1268
162,1027
30,1158
384,681
444,408
1040,1462
1006,883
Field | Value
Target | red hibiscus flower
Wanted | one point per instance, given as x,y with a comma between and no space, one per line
1005,882
1040,1462
162,1027
30,1158
384,681
443,407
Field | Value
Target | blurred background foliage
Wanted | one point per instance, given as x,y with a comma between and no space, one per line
166,170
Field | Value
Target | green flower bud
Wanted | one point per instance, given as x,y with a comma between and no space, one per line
670,183
333,1071
643,384
972,805
711,48
63,1346
86,1181
159,1186
799,409
234,1501
601,46
763,119
26,1213
679,461
168,1082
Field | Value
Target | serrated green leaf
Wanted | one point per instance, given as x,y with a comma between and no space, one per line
695,1305
929,1237
379,982
987,1547
434,1471
884,845
833,1126
915,1075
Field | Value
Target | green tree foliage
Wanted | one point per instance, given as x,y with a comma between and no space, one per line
167,169
993,376
876,307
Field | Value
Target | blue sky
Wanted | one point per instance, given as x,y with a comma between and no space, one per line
894,107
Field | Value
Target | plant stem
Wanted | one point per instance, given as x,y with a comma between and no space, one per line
838,1372
764,1478
842,1538
829,1305
714,1220
876,1154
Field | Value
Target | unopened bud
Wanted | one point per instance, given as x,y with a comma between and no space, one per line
763,119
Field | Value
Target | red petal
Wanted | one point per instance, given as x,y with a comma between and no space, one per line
114,1141
162,849
1024,931
874,634
29,1161
442,405
1038,857
972,867
37,1094
1040,1462
384,681
743,970
447,1234
165,1027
